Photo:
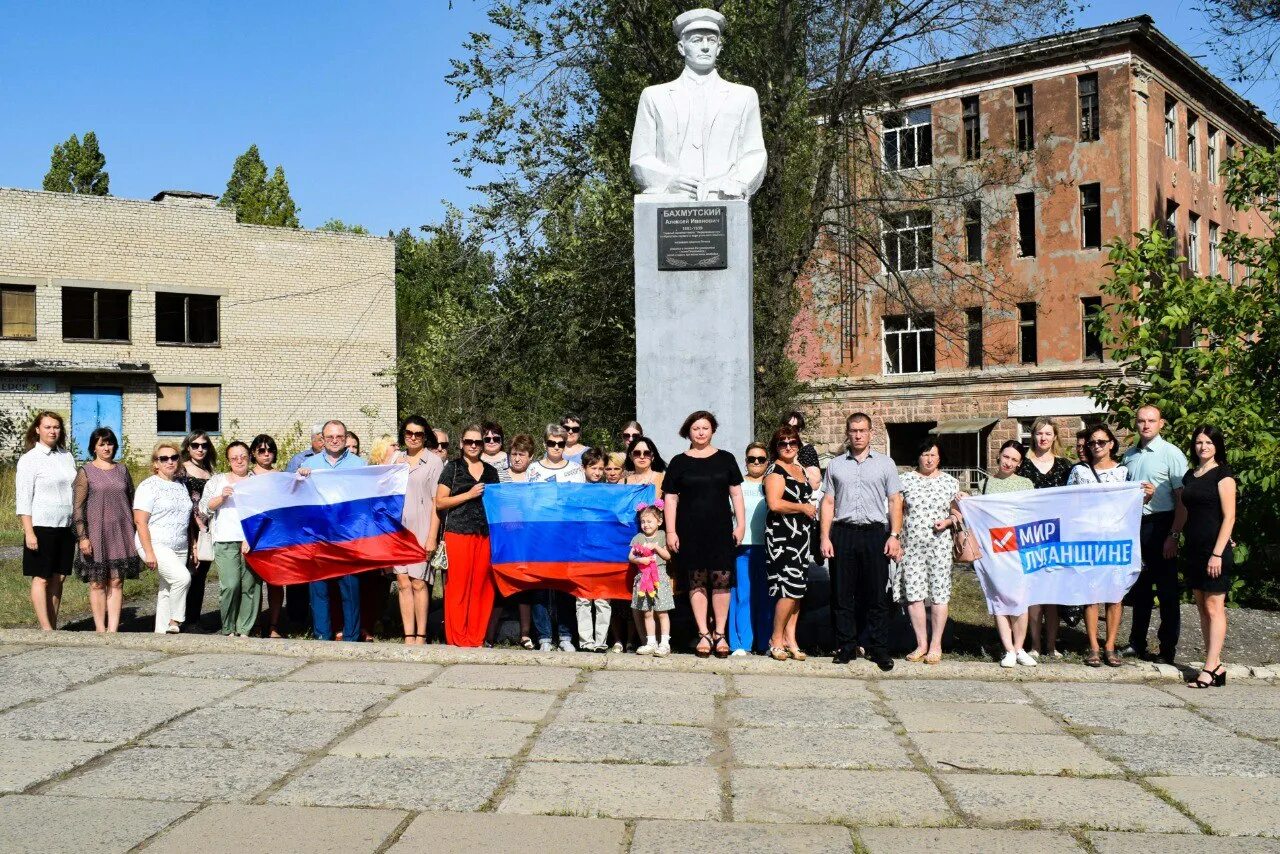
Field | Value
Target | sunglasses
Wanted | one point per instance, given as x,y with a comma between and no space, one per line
788,443
492,439
757,461
1098,443
630,436
470,443
414,434
204,446
554,444
168,458
572,428
263,451
641,454
442,446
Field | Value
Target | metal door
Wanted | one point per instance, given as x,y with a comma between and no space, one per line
92,408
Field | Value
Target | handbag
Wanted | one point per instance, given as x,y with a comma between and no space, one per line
204,546
964,545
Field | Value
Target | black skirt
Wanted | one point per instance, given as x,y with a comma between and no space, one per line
56,549
1196,571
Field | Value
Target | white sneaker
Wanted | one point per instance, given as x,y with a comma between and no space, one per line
566,645
1010,660
647,649
1025,660
663,650
617,647
544,646
739,652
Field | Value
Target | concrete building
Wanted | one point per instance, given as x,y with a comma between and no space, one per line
1070,141
158,317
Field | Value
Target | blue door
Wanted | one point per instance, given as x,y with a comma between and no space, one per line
92,408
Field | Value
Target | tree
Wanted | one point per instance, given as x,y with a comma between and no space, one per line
335,224
559,80
1249,32
257,199
1205,350
78,167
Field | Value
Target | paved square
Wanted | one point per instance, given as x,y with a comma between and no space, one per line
219,666
252,729
24,762
376,672
897,840
661,837
42,824
450,738
279,830
1065,802
432,702
1234,807
618,791
395,783
181,774
646,744
845,797
312,696
818,747
1043,754
486,833
971,717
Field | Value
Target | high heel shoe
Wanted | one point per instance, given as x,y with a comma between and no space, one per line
1217,678
698,650
720,651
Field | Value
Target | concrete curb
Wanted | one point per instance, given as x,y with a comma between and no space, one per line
751,665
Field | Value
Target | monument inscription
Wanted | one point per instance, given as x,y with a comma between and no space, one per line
693,238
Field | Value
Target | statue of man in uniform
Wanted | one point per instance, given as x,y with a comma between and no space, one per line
698,137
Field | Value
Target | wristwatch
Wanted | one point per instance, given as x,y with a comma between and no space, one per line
897,535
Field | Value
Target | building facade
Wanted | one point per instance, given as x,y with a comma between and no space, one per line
164,316
972,320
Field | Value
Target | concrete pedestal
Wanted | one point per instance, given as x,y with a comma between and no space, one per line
694,345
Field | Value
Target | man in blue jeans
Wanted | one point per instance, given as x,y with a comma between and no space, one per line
334,457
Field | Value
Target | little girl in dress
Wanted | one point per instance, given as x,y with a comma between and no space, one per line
652,594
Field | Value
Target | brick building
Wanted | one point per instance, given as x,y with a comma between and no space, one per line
1101,132
157,317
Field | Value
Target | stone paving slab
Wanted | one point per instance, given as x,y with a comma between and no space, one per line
396,783
180,774
40,824
1204,755
952,691
1231,696
84,719
638,708
1172,843
802,710
972,717
1043,754
377,672
661,837
26,762
279,830
1259,723
646,744
1065,802
12,649
813,796
16,693
159,690
818,747
311,696
1131,720
252,729
224,666
801,686
491,833
680,684
1246,807
1065,697
65,666
445,703
512,677
616,791
898,840
435,739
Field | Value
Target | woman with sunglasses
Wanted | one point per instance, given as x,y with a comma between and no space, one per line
468,587
493,453
750,608
239,587
1101,464
705,522
194,474
162,515
629,433
572,425
788,539
264,453
103,518
414,580
644,465
555,467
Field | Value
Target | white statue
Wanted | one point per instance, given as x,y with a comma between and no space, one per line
698,137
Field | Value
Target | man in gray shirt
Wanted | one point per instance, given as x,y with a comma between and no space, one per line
861,533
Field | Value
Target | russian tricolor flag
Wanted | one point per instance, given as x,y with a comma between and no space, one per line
329,524
573,537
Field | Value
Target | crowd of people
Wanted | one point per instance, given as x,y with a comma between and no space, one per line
741,546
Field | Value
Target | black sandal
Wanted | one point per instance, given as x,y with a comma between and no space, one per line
698,650
721,653
1198,683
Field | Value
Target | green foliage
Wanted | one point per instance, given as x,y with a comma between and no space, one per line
259,200
78,167
1205,351
335,224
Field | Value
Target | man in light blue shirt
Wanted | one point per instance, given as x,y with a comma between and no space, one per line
1159,467
335,456
317,446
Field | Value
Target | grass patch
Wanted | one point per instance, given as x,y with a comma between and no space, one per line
15,595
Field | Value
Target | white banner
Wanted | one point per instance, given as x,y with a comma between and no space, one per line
1071,545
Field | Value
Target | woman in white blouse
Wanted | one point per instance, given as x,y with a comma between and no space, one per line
44,478
239,589
162,512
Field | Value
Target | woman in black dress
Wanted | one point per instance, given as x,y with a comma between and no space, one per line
703,530
1206,513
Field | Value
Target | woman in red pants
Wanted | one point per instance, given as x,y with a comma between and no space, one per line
468,587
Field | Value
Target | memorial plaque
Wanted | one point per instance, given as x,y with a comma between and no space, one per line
693,238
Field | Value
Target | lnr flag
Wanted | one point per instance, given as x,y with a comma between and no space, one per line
572,537
329,524
1071,545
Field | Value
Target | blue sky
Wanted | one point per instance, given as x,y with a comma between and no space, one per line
349,97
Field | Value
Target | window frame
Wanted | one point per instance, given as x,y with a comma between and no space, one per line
97,315
973,248
22,289
1026,233
912,327
1086,206
1091,343
1211,160
1028,325
1215,250
971,121
1024,118
1193,242
889,227
1193,141
1089,107
1170,127
187,387
186,320
920,132
974,337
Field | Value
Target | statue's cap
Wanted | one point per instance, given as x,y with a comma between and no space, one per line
698,19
